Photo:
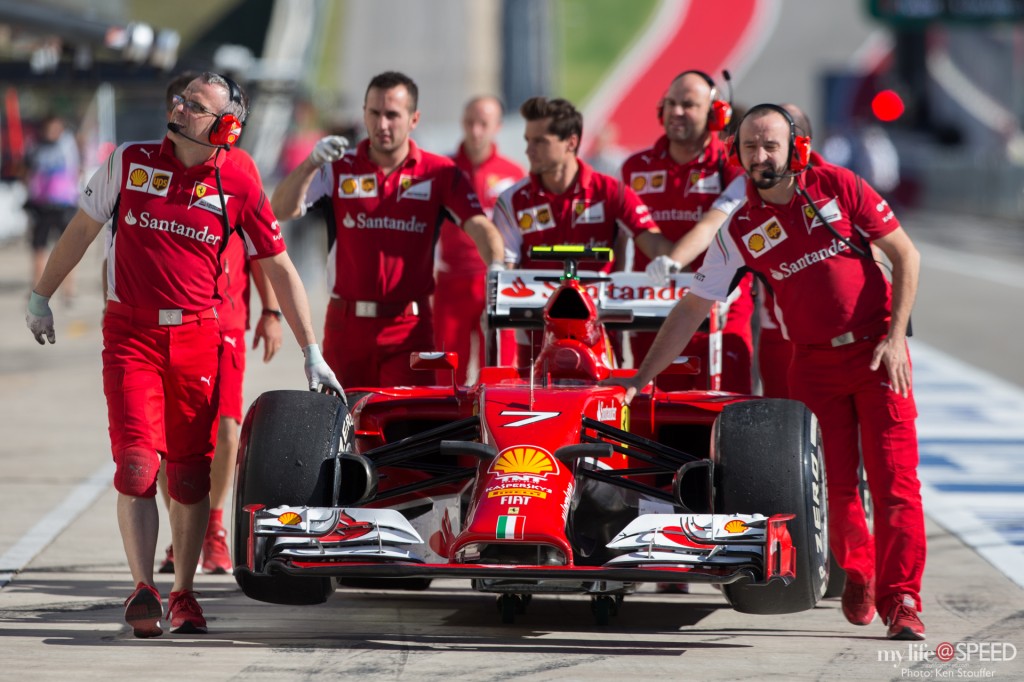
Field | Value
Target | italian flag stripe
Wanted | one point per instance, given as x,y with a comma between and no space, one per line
510,527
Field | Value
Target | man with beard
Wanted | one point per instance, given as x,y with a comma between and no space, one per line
679,178
808,231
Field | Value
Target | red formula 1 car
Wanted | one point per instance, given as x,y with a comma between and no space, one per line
536,480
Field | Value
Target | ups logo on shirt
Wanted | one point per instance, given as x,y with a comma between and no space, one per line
763,237
147,179
648,183
535,218
357,186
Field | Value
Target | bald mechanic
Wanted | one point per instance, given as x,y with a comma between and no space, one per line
807,232
161,335
461,292
384,206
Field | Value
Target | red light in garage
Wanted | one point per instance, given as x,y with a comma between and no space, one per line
887,106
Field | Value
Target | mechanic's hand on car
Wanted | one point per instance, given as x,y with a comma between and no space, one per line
893,354
660,268
328,149
319,375
40,318
631,385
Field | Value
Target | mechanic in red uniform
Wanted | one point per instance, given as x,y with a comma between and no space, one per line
461,291
384,206
233,315
773,350
679,178
563,200
161,334
851,365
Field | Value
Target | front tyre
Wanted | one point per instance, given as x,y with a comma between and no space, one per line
287,455
768,460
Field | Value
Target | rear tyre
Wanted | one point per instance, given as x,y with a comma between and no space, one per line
286,455
768,460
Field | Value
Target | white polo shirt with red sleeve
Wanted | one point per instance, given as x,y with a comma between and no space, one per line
591,212
822,288
383,228
166,221
678,194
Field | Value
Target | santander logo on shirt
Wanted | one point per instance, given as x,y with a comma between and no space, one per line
365,222
145,219
808,259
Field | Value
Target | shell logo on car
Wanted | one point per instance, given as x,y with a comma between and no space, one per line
524,459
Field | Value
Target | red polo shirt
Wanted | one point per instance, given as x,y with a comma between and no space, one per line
457,252
167,229
678,194
590,212
382,228
822,289
234,282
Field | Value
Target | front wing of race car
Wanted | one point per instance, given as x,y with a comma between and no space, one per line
381,543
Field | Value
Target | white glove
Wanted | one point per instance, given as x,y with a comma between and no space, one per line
660,268
40,318
318,374
328,149
496,266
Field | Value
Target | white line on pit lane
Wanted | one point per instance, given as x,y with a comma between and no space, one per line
54,523
972,265
971,431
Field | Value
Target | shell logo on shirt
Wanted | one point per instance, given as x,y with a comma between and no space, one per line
535,218
648,183
588,213
357,186
763,237
147,179
830,211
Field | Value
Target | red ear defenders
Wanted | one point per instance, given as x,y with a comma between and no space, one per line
720,112
227,127
799,145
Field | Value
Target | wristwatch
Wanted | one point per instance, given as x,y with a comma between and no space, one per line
275,313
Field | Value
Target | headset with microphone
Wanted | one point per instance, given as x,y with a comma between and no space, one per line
720,112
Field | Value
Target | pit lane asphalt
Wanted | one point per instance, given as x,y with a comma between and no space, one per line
61,615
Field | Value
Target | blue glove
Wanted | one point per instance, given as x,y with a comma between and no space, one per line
40,318
318,374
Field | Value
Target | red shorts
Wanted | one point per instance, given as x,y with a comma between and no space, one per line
861,418
162,393
232,373
373,352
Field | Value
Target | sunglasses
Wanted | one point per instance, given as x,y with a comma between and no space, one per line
191,106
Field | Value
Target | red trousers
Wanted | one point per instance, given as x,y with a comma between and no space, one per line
774,355
373,352
162,390
459,303
232,374
860,416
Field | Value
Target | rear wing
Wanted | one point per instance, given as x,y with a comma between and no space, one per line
624,300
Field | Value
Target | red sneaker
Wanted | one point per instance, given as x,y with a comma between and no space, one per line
185,614
672,588
903,620
142,611
168,565
216,558
859,602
